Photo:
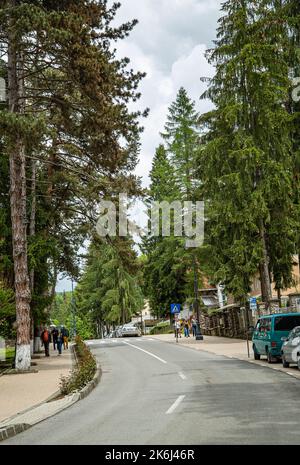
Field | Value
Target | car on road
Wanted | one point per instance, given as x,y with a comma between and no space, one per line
269,333
119,331
130,330
290,350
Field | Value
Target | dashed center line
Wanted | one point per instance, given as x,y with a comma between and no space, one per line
175,405
182,376
145,351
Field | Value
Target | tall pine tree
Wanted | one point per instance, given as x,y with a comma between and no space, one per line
247,160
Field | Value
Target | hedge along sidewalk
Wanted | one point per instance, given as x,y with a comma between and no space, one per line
24,420
20,392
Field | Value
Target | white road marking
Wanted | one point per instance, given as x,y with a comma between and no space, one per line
146,352
289,373
175,405
182,376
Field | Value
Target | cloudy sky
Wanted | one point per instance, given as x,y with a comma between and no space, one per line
168,44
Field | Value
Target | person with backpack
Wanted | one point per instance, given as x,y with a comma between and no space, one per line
46,339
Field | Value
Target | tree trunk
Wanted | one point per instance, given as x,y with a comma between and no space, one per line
262,283
279,296
264,269
18,207
31,234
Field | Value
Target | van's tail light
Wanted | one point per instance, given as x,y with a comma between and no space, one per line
273,344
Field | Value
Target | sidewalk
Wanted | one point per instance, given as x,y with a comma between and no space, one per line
232,348
19,392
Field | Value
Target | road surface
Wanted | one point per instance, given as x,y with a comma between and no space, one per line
157,393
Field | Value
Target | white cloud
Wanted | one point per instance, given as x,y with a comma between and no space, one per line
169,44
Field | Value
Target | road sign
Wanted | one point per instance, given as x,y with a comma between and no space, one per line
175,308
253,303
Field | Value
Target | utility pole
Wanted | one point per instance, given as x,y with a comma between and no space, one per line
142,330
74,331
199,336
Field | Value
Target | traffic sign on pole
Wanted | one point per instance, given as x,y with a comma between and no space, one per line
175,308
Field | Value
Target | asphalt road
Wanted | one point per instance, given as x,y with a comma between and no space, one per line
152,392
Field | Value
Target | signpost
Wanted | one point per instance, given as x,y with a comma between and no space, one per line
175,310
253,304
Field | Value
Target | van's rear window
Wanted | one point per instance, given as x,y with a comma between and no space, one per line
286,323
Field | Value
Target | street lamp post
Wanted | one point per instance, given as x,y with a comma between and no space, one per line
142,327
199,336
73,311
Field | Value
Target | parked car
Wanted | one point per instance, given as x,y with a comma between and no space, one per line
130,330
290,350
119,331
269,332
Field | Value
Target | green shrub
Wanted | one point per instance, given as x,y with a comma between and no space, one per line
162,328
83,373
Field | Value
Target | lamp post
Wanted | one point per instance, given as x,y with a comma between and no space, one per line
199,336
73,311
142,328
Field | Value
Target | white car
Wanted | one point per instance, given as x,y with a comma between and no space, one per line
291,348
119,331
130,330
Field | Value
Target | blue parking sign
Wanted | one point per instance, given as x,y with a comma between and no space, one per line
175,308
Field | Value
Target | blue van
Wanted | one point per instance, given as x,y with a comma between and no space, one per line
268,334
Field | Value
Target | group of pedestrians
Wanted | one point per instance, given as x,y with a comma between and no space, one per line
59,336
187,326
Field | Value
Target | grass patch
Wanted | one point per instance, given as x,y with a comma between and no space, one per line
83,373
7,358
10,353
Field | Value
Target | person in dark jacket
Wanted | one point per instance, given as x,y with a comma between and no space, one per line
59,341
46,339
54,334
65,335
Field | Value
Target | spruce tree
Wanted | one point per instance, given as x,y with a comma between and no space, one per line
181,133
246,164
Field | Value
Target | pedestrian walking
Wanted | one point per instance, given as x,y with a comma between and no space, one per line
65,335
54,334
186,328
194,326
59,341
178,328
46,339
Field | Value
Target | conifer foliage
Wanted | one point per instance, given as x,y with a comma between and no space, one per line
67,132
248,155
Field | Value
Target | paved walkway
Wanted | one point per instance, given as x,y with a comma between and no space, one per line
232,348
20,392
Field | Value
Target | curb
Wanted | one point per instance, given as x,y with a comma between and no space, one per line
91,385
9,431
